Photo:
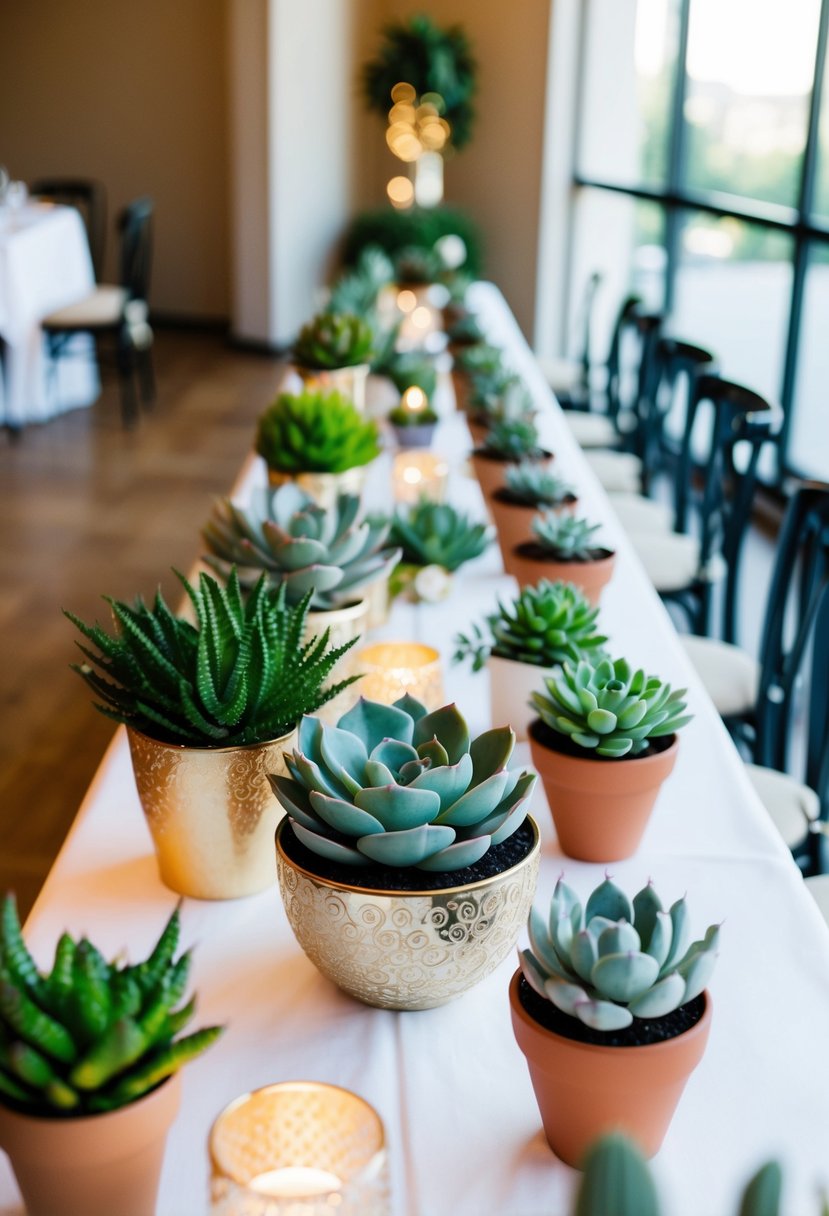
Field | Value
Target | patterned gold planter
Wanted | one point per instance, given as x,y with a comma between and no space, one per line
323,487
211,813
407,949
349,381
344,624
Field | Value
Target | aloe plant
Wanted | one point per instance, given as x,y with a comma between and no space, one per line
616,959
91,1036
566,538
616,1179
242,674
300,545
436,534
546,624
531,484
397,786
606,707
331,340
315,432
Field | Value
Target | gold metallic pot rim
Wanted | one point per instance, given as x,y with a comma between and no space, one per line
295,474
212,751
297,1087
389,892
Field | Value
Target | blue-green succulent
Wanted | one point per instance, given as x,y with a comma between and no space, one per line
397,786
616,959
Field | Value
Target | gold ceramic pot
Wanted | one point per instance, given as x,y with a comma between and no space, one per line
407,949
349,381
346,623
324,488
211,813
378,602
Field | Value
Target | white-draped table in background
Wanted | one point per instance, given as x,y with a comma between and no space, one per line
450,1083
45,264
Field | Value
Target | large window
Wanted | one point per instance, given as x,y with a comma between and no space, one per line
703,183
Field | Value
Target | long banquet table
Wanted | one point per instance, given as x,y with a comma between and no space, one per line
450,1083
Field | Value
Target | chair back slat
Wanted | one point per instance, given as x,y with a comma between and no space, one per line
135,228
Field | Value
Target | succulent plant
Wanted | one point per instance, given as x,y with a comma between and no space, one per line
407,368
532,484
313,432
546,624
397,786
242,674
435,534
480,358
465,330
90,1036
565,537
513,437
357,290
607,708
406,418
300,545
616,959
616,1179
332,339
416,264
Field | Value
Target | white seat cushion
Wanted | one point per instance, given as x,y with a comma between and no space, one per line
790,803
591,430
619,472
730,675
818,888
562,375
672,561
636,513
103,306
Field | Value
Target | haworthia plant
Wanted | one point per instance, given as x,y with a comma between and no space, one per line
91,1035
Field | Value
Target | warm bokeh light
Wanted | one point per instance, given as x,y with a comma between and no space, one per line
403,92
406,300
414,399
402,111
401,192
422,317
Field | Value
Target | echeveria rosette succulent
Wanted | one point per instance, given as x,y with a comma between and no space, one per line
616,959
436,534
480,358
397,786
513,437
534,485
545,624
331,340
565,537
608,708
300,545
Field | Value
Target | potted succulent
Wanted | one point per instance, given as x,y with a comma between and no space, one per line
435,540
209,710
523,642
528,488
319,440
510,439
406,860
285,534
493,398
473,358
610,1010
562,547
89,1060
413,420
604,741
334,351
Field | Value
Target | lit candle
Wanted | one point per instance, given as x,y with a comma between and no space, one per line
392,668
406,300
417,474
295,1182
414,400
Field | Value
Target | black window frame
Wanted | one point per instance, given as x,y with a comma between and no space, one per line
800,222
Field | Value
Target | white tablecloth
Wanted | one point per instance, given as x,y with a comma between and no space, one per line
45,264
450,1083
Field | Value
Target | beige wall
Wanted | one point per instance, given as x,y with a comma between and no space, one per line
134,94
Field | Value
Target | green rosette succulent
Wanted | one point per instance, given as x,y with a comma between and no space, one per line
616,959
300,545
331,340
465,329
565,538
512,437
407,368
356,291
546,624
315,432
606,707
91,1036
480,358
436,534
534,485
396,786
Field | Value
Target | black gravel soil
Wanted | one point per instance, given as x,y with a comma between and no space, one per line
547,737
532,550
641,1033
499,458
389,878
511,499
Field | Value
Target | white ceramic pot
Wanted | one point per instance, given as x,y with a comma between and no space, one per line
510,686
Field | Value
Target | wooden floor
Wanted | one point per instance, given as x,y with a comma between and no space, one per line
86,509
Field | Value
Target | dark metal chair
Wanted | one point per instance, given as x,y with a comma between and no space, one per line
570,379
119,311
89,197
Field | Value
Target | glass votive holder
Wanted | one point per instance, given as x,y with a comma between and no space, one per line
419,474
298,1148
391,669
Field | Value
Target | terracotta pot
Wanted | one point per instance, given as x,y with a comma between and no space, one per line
590,577
477,429
514,522
211,813
600,807
96,1165
510,685
323,487
407,949
350,382
490,470
585,1091
461,387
